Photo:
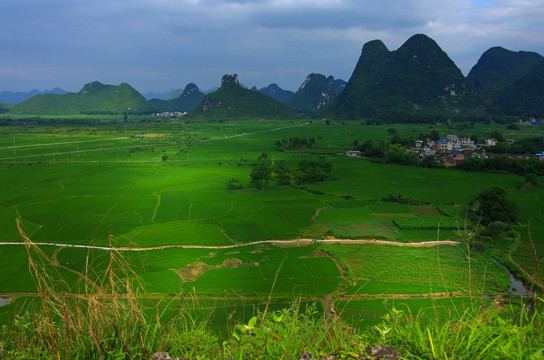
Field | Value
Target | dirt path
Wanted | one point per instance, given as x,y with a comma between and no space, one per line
60,143
156,207
317,213
273,242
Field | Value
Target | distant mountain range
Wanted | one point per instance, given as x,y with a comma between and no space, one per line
274,91
418,82
162,96
20,96
232,101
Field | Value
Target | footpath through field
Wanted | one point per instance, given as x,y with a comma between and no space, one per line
273,242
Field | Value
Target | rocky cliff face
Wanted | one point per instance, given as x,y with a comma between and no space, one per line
315,92
229,79
190,89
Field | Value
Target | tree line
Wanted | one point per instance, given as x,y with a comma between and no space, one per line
266,170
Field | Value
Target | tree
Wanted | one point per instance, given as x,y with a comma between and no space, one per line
261,173
234,184
310,171
281,173
497,135
531,178
492,205
434,135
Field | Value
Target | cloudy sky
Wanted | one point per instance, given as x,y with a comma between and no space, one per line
156,45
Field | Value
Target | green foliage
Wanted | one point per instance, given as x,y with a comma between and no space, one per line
310,171
294,144
497,230
492,205
475,336
232,101
234,184
261,173
290,332
531,179
4,108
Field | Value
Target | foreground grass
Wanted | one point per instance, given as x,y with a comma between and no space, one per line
121,330
109,318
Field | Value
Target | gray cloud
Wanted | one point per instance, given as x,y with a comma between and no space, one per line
159,44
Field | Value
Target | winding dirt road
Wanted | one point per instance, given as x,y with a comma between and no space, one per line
273,242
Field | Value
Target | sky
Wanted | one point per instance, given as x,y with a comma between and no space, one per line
158,45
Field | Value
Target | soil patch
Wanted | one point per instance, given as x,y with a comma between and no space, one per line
193,271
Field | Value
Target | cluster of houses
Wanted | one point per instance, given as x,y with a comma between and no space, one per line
171,114
453,150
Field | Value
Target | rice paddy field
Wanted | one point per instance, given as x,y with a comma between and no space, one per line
156,191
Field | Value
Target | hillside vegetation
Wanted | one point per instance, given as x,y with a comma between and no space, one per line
232,101
498,68
417,81
93,98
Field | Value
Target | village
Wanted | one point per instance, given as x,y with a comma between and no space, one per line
453,150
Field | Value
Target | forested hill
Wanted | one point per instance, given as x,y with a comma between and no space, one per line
524,97
93,98
498,68
232,101
417,80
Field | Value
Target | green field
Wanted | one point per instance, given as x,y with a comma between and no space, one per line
152,184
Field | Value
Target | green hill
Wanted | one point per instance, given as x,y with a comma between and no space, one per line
93,98
315,93
498,68
524,97
232,101
4,108
417,82
185,102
